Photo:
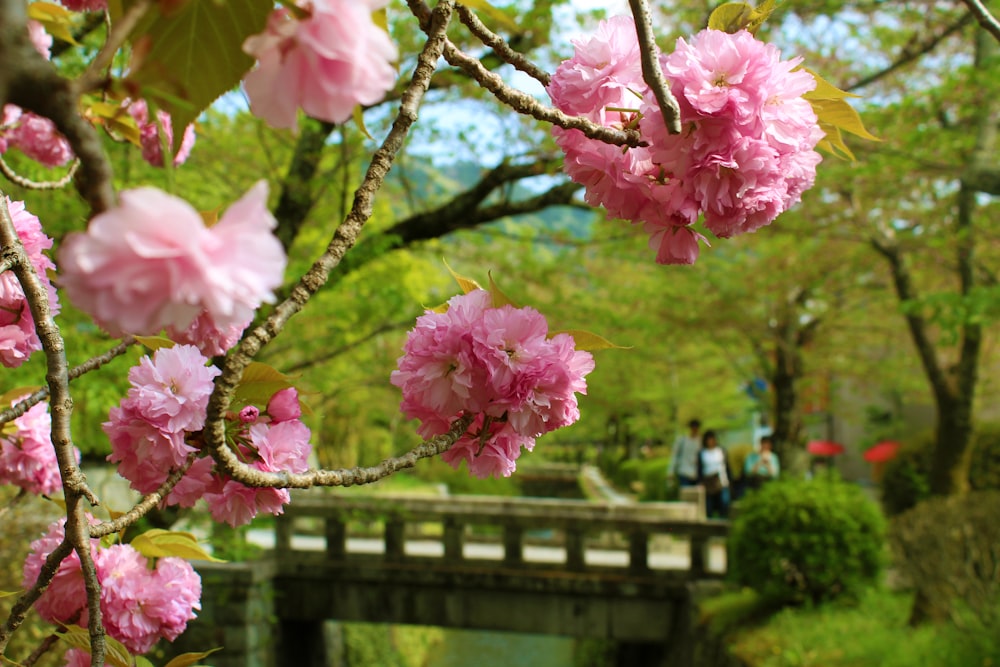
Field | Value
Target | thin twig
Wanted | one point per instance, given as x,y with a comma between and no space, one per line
651,72
988,22
343,240
22,406
144,506
40,650
96,72
500,46
24,603
29,184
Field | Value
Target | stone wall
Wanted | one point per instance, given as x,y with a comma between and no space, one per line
237,614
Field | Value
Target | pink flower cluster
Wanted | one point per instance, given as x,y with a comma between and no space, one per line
327,63
33,135
498,364
27,457
151,263
139,604
744,154
155,429
150,138
17,326
85,5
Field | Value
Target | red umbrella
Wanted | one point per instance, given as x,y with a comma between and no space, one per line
824,448
883,451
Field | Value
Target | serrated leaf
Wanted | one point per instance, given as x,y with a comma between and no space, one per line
499,298
154,343
494,13
467,284
190,659
833,143
193,55
842,115
57,21
159,543
730,17
585,340
114,653
824,89
259,383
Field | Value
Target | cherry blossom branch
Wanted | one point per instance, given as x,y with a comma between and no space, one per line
29,184
43,647
518,100
144,506
61,407
343,240
500,46
651,72
25,404
988,22
96,73
357,475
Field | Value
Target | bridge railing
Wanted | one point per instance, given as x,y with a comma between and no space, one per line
456,522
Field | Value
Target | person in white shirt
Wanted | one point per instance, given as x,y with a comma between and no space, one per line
684,458
714,475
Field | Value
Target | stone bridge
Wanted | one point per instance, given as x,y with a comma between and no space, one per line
563,567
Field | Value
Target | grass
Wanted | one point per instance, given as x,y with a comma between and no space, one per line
872,632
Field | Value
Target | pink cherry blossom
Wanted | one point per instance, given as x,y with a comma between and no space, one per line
85,5
41,40
497,364
76,657
171,390
38,138
65,600
151,263
145,453
237,504
17,326
150,139
140,605
203,334
745,153
192,487
602,73
27,456
327,63
284,405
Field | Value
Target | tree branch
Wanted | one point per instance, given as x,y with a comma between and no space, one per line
500,47
988,22
652,74
343,240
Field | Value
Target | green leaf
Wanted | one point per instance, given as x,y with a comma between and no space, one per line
494,13
730,17
499,298
190,659
159,543
824,89
259,383
143,661
7,594
115,653
190,56
113,117
467,284
359,120
586,340
154,343
842,115
57,21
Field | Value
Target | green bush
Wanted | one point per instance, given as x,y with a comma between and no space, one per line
626,474
653,475
948,548
906,480
807,541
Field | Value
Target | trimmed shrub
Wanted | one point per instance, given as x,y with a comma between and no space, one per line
905,481
798,541
950,550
